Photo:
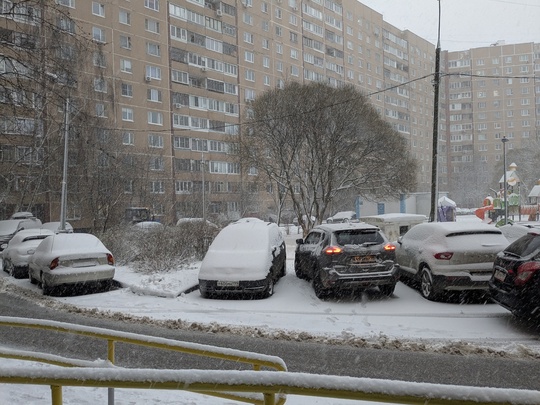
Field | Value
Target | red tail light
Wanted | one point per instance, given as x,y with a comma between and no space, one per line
110,259
333,250
443,255
525,272
389,247
54,264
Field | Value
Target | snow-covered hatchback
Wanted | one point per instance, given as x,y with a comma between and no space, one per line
346,257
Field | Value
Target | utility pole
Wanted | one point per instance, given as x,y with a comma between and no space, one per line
63,202
435,147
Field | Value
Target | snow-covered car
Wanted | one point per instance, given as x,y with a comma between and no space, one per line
21,215
515,230
342,216
247,257
449,256
346,257
19,249
71,259
56,225
9,227
148,226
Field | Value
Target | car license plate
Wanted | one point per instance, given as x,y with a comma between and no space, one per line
221,283
500,275
363,259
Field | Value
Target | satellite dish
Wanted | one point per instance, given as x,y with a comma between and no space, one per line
511,181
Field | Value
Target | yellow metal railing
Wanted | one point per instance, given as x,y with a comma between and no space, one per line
260,387
257,361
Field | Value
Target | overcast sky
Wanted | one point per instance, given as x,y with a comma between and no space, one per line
464,23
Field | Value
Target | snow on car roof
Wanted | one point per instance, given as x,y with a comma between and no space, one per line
72,242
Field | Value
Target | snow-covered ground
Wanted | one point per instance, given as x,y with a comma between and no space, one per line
405,321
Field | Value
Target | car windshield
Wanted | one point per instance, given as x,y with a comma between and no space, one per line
358,237
525,245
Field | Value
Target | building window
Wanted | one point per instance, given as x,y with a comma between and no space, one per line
124,17
154,95
155,141
152,4
100,85
151,25
98,34
156,164
183,187
125,42
249,57
157,187
67,3
125,66
100,110
155,118
127,138
127,114
153,72
153,49
98,9
99,59
127,90
182,142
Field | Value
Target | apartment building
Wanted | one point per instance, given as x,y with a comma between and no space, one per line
173,80
491,93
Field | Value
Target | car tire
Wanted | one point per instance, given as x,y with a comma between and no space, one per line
320,291
32,279
18,271
427,285
4,266
283,270
298,271
387,289
269,288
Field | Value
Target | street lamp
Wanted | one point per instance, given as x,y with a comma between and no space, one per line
504,140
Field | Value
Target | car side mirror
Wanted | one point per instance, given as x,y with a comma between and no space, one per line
400,240
3,246
299,241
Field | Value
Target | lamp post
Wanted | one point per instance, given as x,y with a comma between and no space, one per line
203,189
505,188
435,147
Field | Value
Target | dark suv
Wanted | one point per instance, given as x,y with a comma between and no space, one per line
347,256
515,283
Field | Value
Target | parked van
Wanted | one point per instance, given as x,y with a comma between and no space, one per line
396,224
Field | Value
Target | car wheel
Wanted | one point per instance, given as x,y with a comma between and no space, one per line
269,288
283,270
427,286
387,289
4,266
319,289
298,271
18,271
32,279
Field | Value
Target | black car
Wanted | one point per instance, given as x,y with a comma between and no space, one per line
346,256
515,283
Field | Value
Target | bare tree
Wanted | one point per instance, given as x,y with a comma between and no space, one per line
316,140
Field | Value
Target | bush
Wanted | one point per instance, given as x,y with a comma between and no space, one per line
160,249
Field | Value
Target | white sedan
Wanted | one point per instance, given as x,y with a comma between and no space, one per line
19,249
71,259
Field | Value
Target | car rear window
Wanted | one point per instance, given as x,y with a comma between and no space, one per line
525,245
358,237
461,233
